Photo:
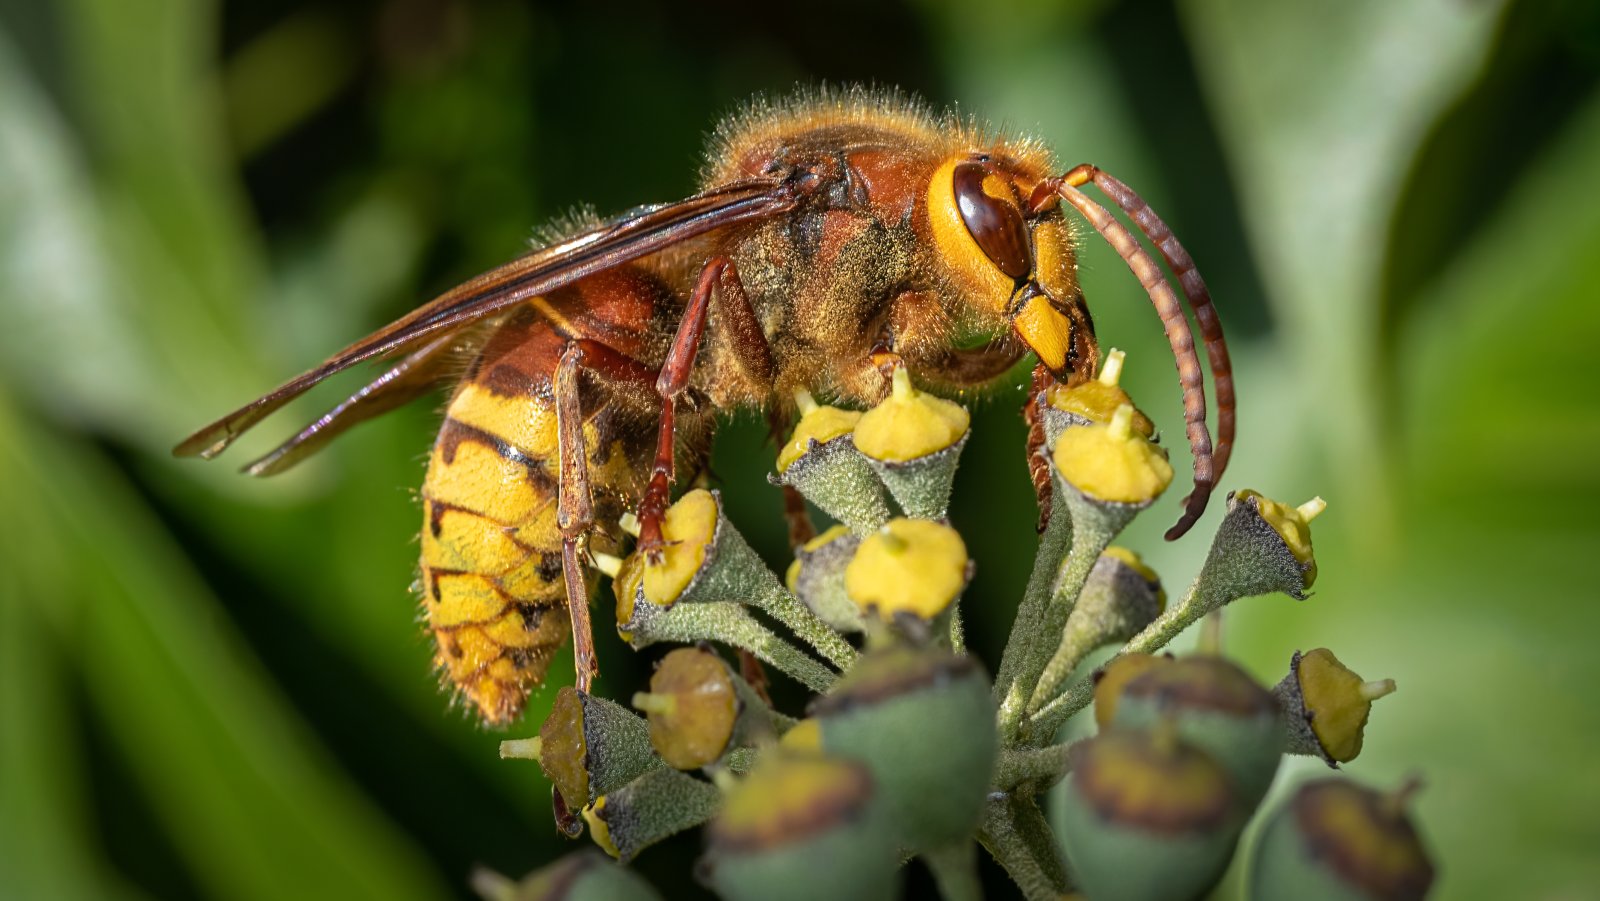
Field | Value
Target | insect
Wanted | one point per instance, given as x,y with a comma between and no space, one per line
829,230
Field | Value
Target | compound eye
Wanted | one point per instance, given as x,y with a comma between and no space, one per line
994,223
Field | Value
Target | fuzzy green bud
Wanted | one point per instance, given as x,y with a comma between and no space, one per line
706,563
1097,400
1112,462
913,442
1326,705
822,463
1110,679
911,569
1338,841
1145,816
659,804
1219,709
589,746
917,717
799,826
817,578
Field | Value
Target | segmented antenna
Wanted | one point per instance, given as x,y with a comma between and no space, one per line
1208,465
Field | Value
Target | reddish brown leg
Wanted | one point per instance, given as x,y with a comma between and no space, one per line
575,500
795,513
754,674
1038,462
755,356
797,516
574,508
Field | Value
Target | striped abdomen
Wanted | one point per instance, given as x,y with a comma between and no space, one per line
493,593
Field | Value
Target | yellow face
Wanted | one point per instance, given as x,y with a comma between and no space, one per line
1011,264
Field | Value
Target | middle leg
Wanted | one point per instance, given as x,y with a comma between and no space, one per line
752,351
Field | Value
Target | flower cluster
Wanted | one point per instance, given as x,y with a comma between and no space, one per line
908,747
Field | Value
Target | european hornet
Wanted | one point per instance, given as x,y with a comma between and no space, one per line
831,231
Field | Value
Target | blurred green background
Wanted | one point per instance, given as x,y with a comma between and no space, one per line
212,686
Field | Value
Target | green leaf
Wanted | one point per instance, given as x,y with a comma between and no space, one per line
251,802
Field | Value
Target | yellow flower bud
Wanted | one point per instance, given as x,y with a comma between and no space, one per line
800,826
687,528
1097,400
909,424
914,566
817,423
626,588
1335,701
1135,562
692,707
804,736
598,830
1111,463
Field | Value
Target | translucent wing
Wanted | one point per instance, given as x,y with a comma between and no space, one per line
417,373
637,234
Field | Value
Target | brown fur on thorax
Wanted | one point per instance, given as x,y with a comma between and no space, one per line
853,269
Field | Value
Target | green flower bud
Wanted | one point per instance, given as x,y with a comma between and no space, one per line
699,709
1293,526
627,586
817,578
818,425
579,876
688,530
800,827
917,717
1338,841
655,806
1120,597
913,442
1326,705
1144,815
587,746
1110,679
1261,547
822,463
1217,708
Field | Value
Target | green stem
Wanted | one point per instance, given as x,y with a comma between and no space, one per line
1096,525
1016,833
731,624
955,869
1199,600
1037,768
1076,643
1000,835
1041,841
1047,561
798,618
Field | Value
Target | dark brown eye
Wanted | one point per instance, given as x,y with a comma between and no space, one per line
995,224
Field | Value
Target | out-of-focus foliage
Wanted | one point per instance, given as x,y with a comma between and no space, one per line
216,687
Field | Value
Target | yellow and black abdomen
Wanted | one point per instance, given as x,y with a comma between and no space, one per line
493,594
